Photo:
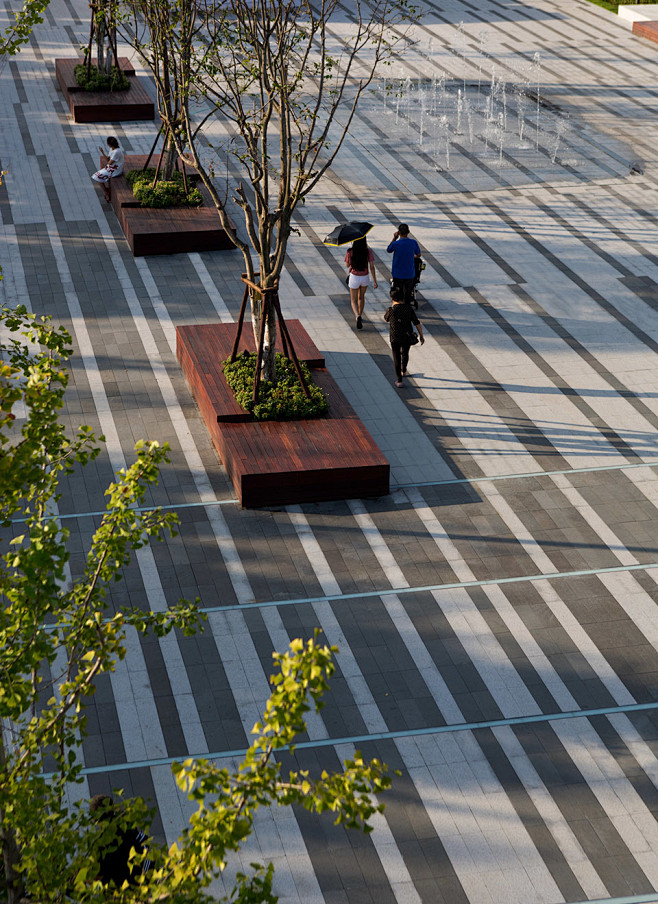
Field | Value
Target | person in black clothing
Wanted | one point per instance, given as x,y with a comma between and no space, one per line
115,867
400,318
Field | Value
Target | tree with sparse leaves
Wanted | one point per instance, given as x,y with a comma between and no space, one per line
58,637
272,86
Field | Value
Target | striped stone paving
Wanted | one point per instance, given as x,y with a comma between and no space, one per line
496,613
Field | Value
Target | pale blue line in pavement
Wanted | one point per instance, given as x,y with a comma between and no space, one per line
394,486
390,735
430,588
520,475
651,898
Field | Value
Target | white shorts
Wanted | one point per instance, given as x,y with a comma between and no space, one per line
357,281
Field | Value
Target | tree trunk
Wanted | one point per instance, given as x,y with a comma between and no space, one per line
168,161
13,881
100,46
268,366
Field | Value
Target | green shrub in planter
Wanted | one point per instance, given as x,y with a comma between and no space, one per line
283,400
162,194
98,81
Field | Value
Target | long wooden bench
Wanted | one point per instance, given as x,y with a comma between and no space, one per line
104,106
280,462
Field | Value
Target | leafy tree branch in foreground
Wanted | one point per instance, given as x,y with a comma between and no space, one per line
58,638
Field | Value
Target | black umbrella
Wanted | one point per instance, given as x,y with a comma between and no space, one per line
348,232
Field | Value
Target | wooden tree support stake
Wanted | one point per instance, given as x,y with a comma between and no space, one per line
270,295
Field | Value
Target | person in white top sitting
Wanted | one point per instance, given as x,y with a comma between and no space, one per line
113,167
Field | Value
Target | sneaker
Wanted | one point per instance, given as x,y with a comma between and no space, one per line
359,323
399,384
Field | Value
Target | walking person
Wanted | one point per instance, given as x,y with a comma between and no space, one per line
401,319
115,865
405,251
113,167
359,259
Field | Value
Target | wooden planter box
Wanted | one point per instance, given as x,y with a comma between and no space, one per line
648,30
104,106
280,462
165,231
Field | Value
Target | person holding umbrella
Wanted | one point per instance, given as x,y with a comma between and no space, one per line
359,259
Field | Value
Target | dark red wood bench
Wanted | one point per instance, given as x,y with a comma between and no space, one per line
280,462
104,106
170,230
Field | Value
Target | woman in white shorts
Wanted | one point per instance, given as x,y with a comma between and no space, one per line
358,259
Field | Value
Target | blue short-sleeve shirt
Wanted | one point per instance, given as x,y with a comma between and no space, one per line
404,251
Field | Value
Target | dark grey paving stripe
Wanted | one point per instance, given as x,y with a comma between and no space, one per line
18,82
430,867
631,204
346,864
633,771
51,191
76,20
614,382
620,444
523,233
615,230
645,288
579,806
341,714
24,131
6,215
577,234
529,816
403,698
477,240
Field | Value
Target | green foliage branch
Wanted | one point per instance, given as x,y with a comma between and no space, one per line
279,400
24,21
57,640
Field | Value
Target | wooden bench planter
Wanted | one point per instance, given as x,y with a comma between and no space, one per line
648,30
280,462
170,230
104,106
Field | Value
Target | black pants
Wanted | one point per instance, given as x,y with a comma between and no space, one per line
407,287
400,358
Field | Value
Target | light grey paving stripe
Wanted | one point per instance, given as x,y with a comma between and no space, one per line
553,377
392,735
395,486
571,274
429,588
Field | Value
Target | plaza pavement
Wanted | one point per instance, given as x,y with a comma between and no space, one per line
510,574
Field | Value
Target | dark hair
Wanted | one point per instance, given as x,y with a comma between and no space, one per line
403,229
113,142
396,293
102,802
359,259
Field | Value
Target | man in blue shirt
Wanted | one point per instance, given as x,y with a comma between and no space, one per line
405,250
